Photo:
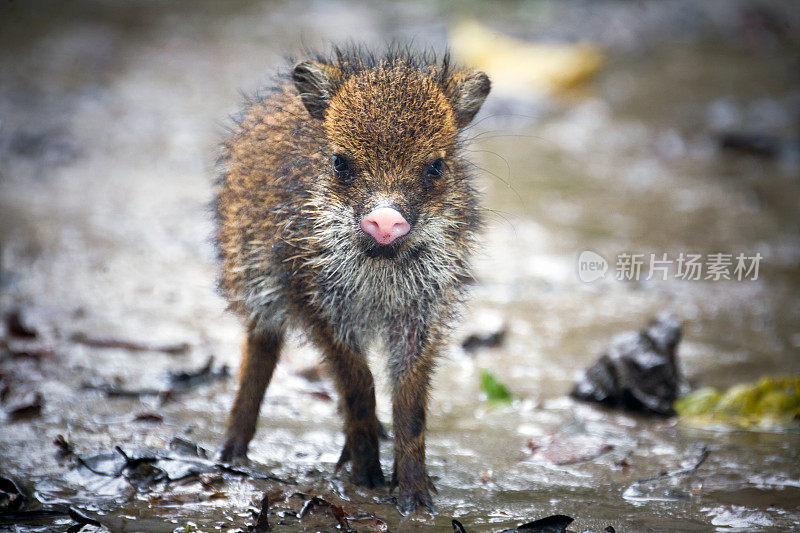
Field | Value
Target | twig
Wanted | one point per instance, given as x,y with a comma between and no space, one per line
680,472
174,349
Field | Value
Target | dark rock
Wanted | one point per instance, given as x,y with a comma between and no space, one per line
556,523
751,144
11,497
52,146
457,527
65,448
82,518
638,370
18,326
485,340
31,407
262,523
188,448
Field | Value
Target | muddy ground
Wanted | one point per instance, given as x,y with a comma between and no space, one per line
685,141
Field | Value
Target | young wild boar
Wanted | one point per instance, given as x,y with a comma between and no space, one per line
346,210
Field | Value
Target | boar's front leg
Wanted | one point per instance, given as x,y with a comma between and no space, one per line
356,389
411,364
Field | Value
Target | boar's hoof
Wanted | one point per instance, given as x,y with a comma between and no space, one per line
233,450
365,469
369,476
412,501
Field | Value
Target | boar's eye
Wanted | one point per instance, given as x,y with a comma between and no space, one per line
342,168
435,169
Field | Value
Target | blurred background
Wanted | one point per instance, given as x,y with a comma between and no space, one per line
617,127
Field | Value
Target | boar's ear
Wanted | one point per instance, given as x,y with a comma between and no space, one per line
315,83
468,90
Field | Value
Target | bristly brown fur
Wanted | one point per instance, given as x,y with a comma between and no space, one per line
293,254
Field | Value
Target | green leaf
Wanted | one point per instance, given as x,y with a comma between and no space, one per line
495,391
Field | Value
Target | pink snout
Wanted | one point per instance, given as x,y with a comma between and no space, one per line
385,225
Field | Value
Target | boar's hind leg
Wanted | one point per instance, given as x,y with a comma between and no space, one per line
357,399
259,357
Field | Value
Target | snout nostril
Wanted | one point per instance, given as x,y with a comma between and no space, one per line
385,225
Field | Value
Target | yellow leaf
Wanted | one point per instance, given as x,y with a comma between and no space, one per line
515,65
772,402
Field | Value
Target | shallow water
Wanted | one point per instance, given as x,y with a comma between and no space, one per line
110,119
